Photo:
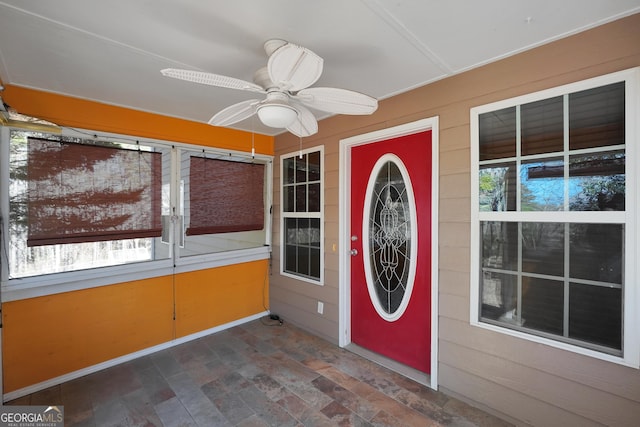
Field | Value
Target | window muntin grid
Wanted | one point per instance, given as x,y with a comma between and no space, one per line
547,171
302,207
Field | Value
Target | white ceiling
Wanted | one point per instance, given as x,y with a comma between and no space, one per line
112,51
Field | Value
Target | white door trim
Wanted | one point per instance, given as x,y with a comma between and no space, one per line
344,240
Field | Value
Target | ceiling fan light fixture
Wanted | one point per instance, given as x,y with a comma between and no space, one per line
277,115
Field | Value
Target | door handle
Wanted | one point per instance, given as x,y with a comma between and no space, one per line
353,252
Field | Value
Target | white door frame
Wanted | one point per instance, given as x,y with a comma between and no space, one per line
344,242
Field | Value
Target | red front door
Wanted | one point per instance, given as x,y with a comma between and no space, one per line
391,248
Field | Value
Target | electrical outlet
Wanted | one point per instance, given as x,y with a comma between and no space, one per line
320,307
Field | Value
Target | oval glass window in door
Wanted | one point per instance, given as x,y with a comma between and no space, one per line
389,237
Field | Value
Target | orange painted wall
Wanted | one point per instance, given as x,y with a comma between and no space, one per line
208,298
50,336
79,113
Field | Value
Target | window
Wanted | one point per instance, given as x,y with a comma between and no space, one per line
224,201
302,215
76,204
226,196
553,216
88,210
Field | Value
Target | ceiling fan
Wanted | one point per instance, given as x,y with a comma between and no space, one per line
285,82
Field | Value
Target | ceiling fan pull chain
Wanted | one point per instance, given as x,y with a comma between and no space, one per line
300,146
253,134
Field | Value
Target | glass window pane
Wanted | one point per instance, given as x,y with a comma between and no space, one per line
596,117
290,258
498,187
595,314
289,199
235,203
303,260
302,232
597,182
287,171
314,198
500,245
542,185
301,198
291,230
543,305
315,263
314,166
542,126
301,168
314,232
389,234
596,252
26,261
543,248
499,297
497,131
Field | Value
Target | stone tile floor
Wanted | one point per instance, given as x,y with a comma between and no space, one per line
256,374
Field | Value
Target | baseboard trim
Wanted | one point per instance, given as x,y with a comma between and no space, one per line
126,358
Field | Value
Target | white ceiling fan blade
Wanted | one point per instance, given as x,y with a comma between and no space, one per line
235,113
306,123
293,67
339,101
211,79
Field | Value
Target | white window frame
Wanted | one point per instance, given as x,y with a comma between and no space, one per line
49,284
183,255
314,215
629,217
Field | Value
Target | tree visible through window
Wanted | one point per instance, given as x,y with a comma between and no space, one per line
47,234
79,204
551,217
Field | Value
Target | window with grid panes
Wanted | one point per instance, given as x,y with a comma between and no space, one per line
302,208
554,215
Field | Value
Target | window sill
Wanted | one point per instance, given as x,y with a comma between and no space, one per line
201,262
51,284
